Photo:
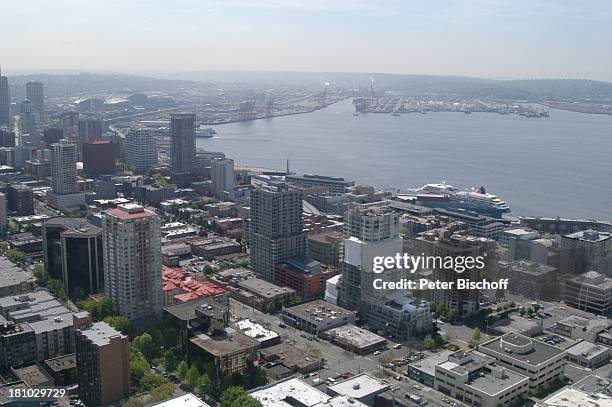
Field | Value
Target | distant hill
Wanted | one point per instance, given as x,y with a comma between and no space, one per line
75,84
532,90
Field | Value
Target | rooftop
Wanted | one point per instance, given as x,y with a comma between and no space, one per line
589,235
289,393
255,331
359,386
428,365
33,375
129,211
571,397
101,333
225,344
11,275
320,310
62,363
355,336
264,288
186,400
492,383
74,227
587,350
516,346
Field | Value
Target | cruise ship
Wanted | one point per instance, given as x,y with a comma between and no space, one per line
446,196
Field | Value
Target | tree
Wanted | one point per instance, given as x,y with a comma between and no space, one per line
169,361
144,343
182,369
236,396
120,323
138,367
192,376
430,343
151,380
475,340
16,256
162,392
204,386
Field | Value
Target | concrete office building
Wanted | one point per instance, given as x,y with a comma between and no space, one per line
182,149
276,228
35,93
222,177
587,250
140,152
5,101
542,363
590,292
73,253
102,359
132,261
476,380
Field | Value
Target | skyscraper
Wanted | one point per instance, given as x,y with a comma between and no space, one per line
463,301
89,129
35,93
182,150
372,230
27,119
63,167
139,148
132,261
5,101
276,228
73,254
98,157
222,176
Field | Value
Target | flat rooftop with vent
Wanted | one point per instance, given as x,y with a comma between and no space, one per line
317,316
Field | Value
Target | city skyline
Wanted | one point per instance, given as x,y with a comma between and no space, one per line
492,39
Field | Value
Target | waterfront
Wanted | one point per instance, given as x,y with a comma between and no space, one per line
555,166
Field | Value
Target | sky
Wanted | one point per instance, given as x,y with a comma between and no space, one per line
501,39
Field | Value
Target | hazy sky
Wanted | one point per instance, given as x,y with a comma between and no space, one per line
487,38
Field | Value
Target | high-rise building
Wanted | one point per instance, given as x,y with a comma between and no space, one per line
35,93
463,301
276,228
182,149
372,230
63,167
73,254
89,129
53,135
7,138
222,176
3,212
132,261
102,361
587,250
27,118
5,101
21,200
98,157
139,150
